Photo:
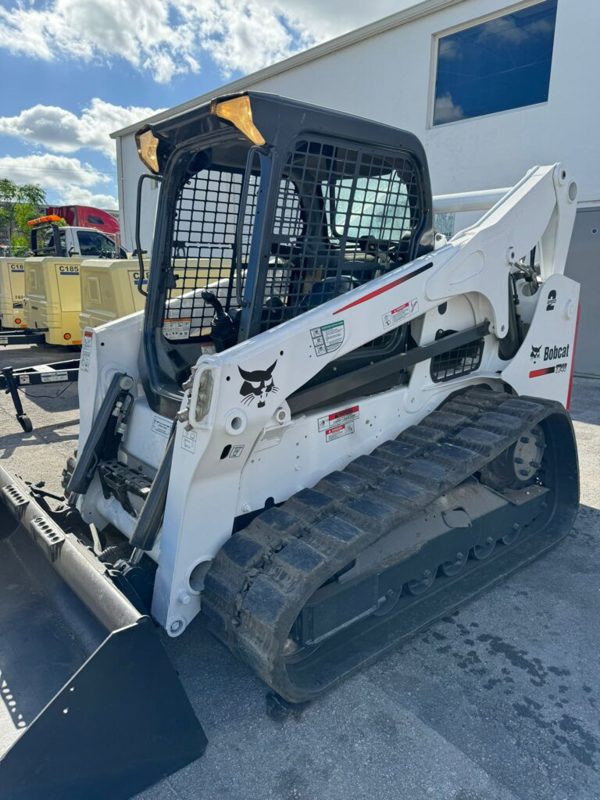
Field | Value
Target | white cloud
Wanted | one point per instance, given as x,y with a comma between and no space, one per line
161,37
506,29
91,30
318,21
242,37
169,37
63,131
67,179
449,50
77,196
446,110
51,170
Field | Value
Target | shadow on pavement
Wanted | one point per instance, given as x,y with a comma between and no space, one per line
48,434
51,397
30,355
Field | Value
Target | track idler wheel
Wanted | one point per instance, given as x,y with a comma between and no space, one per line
519,465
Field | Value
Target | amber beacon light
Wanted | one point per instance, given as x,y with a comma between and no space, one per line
239,111
147,147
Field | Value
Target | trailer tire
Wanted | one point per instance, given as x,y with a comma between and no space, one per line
25,423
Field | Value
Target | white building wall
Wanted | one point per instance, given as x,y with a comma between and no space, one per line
390,78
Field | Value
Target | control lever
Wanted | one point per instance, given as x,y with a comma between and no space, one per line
223,329
213,301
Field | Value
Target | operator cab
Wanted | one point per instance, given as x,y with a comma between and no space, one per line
269,208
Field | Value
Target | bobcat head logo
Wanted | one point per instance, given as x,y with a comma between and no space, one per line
551,301
535,353
257,384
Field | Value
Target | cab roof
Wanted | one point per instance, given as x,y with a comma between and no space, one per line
281,121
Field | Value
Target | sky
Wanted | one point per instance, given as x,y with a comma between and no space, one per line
72,71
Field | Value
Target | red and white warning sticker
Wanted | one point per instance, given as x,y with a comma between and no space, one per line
337,418
396,315
86,350
338,431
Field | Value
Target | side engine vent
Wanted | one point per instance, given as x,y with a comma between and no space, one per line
458,362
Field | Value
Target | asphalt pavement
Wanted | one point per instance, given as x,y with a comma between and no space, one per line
499,701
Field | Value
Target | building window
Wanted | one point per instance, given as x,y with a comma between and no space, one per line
497,65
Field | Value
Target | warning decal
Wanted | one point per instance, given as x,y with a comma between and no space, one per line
396,315
338,418
161,426
328,338
188,441
338,431
177,328
86,351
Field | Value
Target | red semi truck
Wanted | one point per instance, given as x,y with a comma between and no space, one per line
87,217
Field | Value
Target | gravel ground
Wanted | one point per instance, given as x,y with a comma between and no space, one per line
497,702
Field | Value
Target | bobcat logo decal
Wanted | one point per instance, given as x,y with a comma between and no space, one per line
257,384
535,353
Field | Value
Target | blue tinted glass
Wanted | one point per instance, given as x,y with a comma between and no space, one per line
500,64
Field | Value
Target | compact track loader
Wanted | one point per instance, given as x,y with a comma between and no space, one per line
330,440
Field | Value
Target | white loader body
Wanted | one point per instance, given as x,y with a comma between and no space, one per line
238,447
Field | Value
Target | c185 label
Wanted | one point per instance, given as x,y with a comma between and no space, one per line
68,269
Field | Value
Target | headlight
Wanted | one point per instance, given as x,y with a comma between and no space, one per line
204,396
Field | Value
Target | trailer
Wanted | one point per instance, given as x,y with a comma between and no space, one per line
11,380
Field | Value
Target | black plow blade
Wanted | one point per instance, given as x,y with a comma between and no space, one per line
92,707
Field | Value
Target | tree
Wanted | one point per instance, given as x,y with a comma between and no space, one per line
18,204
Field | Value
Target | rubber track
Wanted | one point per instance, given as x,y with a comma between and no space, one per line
263,576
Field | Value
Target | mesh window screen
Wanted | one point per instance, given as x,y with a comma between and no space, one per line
202,252
342,216
339,216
